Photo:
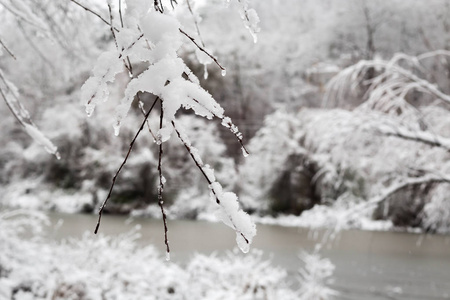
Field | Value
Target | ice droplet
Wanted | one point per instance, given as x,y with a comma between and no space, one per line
116,129
167,256
242,243
89,109
244,152
205,73
254,35
224,72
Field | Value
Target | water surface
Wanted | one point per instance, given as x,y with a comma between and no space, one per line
369,265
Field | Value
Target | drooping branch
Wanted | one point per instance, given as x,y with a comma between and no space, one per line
122,165
208,176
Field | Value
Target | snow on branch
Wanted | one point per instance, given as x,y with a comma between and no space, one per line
230,213
10,95
394,80
415,135
249,18
384,195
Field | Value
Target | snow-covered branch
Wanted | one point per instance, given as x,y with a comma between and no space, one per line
384,195
415,135
230,213
392,83
10,95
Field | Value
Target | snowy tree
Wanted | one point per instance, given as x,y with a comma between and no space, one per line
149,36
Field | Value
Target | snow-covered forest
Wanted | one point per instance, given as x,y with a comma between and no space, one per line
318,114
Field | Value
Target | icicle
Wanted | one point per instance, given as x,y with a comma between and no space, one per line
167,256
117,129
244,152
224,72
205,74
255,37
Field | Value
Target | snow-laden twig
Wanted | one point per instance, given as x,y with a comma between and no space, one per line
10,95
232,215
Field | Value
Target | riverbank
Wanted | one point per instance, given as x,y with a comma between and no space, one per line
35,196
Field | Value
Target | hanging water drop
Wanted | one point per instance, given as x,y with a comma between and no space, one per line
244,152
167,256
224,72
205,73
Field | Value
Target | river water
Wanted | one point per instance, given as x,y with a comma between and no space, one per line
369,265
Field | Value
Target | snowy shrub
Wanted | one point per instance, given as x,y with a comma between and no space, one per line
356,164
437,212
105,267
398,92
313,166
237,277
315,277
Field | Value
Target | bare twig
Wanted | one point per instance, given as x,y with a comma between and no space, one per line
172,2
161,183
11,108
7,50
195,22
121,166
111,26
141,107
92,12
202,49
158,6
120,13
127,62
